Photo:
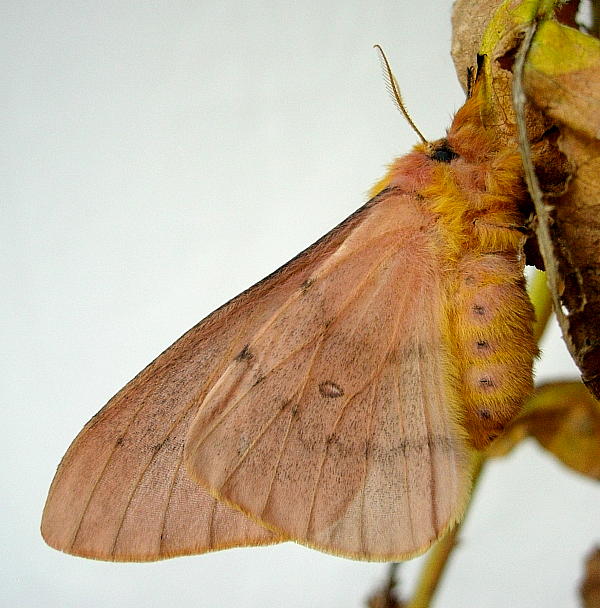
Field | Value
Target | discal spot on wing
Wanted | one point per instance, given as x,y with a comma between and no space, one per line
330,389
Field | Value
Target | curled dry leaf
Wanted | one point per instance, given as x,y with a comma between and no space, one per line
562,119
565,419
590,587
493,31
470,19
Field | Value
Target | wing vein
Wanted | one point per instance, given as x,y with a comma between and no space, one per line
393,341
113,451
168,503
297,394
322,463
331,268
366,473
405,463
253,443
433,489
403,428
376,372
230,406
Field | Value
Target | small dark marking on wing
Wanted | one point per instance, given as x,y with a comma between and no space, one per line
403,446
245,354
259,379
307,284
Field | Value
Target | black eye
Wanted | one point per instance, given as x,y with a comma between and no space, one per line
443,153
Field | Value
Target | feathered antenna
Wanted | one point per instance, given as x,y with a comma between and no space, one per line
392,86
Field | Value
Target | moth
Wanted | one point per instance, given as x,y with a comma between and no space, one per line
337,402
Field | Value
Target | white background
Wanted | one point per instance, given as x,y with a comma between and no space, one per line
160,157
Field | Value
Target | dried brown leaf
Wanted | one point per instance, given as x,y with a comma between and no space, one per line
470,19
493,30
565,420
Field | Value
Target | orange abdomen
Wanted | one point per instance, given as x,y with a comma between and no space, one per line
492,345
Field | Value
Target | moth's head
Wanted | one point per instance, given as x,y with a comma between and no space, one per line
468,155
